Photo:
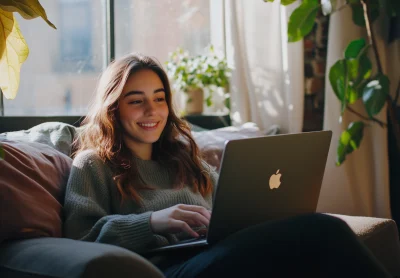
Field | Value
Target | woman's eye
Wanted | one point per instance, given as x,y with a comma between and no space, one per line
160,99
135,102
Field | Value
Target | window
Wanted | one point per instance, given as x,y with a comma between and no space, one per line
60,74
76,36
55,79
160,27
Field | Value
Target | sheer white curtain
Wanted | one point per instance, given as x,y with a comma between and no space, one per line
267,80
361,185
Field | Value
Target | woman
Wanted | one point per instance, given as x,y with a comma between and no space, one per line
138,182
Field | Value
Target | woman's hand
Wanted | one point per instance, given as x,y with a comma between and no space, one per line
179,218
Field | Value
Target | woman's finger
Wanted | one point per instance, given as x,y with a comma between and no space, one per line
199,209
184,227
194,217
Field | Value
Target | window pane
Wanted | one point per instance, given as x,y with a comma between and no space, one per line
157,28
60,74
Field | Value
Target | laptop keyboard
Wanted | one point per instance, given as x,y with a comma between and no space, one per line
201,237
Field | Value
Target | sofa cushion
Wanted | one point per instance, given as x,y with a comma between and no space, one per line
33,177
212,142
54,134
61,257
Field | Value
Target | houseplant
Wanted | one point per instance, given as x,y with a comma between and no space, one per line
352,78
198,75
13,48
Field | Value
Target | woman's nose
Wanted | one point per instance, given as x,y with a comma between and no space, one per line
150,108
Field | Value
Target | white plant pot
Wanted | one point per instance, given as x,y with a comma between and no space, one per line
195,101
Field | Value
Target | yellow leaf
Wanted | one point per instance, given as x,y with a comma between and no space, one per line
6,19
28,9
14,55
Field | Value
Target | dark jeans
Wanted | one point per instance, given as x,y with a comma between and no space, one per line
314,245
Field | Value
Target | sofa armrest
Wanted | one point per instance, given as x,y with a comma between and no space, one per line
61,257
381,237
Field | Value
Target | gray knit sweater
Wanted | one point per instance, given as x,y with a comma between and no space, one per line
94,212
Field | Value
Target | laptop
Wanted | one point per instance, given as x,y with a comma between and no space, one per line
263,179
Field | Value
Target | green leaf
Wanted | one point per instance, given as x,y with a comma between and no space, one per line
349,141
2,153
358,12
268,0
228,102
352,95
359,68
337,75
358,72
209,101
287,2
302,20
375,94
365,67
353,66
354,49
346,77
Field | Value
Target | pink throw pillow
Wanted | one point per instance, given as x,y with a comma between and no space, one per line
32,180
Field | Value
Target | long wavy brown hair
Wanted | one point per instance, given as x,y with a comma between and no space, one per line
102,132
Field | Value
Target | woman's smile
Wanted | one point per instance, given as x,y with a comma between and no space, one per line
148,125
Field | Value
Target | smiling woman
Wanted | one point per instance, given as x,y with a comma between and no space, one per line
143,112
132,116
138,181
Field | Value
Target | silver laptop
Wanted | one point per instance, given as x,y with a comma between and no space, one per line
262,179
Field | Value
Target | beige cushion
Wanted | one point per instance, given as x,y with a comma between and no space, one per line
380,236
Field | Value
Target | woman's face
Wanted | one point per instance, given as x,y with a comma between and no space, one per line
143,109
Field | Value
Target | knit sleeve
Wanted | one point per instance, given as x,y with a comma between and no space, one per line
87,208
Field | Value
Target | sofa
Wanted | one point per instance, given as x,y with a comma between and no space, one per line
33,175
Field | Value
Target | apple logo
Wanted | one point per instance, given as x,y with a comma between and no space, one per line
275,180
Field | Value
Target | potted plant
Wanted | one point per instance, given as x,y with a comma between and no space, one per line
197,76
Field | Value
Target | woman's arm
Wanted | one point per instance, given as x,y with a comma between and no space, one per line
88,214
